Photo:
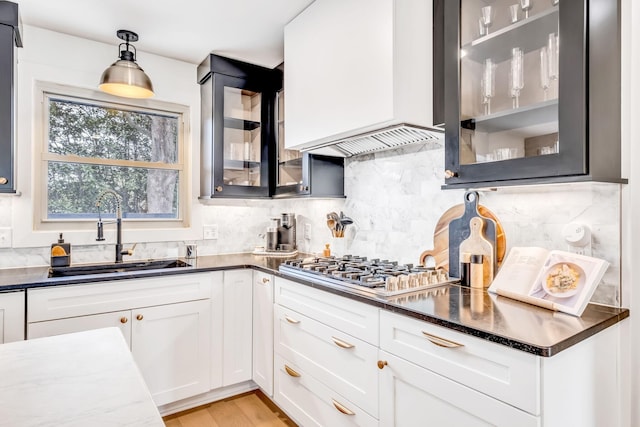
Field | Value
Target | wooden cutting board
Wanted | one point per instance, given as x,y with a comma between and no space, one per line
440,251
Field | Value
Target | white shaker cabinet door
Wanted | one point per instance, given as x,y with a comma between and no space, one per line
263,331
237,346
411,396
171,346
12,316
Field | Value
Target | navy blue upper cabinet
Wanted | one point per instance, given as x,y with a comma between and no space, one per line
9,40
532,91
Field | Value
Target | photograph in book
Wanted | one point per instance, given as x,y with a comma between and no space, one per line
556,280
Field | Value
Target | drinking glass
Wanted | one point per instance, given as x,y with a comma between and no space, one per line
487,84
516,75
526,6
544,71
486,18
513,11
552,56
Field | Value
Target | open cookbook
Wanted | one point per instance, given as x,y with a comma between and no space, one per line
556,280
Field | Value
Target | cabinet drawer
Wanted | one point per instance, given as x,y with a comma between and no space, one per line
102,297
414,396
343,363
355,318
311,403
119,319
509,375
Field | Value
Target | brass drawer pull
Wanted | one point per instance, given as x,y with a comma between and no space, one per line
441,342
291,371
139,317
342,344
290,320
341,408
3,180
382,364
123,320
265,280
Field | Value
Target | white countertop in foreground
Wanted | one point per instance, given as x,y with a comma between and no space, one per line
81,379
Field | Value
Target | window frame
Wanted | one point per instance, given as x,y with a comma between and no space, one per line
45,91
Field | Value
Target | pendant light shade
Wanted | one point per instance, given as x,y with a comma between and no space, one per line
125,77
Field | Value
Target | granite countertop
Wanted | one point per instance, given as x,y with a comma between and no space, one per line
68,380
495,318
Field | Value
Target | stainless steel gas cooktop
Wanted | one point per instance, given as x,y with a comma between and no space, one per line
373,276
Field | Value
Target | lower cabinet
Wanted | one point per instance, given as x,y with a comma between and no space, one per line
312,403
263,331
237,326
411,395
165,321
12,316
325,357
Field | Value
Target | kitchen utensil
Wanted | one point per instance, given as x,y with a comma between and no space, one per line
459,230
476,244
440,251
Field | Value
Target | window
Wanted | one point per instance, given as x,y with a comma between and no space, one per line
91,145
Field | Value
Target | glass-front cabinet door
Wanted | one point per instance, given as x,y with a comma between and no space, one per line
521,89
289,174
240,155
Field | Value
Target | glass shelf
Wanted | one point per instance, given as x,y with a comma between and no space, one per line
497,45
241,124
529,115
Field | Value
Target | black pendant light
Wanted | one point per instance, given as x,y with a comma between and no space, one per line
124,77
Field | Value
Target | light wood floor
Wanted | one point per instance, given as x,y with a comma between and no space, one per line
245,410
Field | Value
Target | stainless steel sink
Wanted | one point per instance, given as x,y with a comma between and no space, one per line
116,267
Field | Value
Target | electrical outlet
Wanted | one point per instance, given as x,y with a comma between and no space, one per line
210,232
5,237
307,231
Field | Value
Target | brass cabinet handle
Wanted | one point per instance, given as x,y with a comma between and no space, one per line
123,320
3,180
139,317
218,188
341,408
265,280
290,320
442,342
382,364
341,343
450,174
291,371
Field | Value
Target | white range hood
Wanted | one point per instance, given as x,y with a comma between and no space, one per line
380,140
358,77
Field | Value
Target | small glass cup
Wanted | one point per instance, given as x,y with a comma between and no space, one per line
513,12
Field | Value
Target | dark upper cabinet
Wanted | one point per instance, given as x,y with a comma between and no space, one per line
237,135
9,40
242,138
531,94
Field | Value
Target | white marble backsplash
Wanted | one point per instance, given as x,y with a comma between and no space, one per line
395,199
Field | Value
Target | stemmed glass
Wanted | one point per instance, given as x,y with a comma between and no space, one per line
552,48
549,63
488,84
544,71
516,75
526,6
486,20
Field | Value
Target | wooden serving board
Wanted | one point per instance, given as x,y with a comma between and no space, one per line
440,251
